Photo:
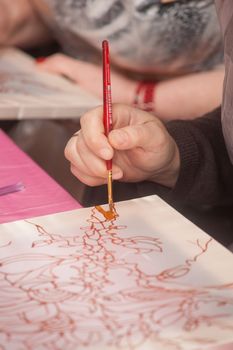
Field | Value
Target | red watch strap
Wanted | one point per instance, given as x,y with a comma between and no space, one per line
144,96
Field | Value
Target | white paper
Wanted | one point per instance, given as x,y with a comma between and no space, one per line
27,92
148,280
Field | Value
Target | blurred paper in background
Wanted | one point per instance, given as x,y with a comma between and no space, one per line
26,92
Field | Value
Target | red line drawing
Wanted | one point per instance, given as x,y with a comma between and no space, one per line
5,244
182,270
89,290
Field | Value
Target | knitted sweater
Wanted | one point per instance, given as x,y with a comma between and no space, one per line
206,171
145,35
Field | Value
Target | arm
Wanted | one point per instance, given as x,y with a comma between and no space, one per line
183,97
189,157
190,96
20,25
206,173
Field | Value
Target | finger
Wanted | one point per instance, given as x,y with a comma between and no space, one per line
95,166
93,128
82,158
93,134
62,64
87,179
147,136
124,115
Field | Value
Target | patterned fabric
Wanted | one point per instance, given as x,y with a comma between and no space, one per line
225,10
145,35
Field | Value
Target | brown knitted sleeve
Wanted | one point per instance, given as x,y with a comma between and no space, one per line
206,175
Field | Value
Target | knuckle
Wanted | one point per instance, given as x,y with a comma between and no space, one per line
83,119
86,119
71,150
67,152
90,115
74,171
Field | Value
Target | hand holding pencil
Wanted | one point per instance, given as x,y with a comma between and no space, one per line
138,148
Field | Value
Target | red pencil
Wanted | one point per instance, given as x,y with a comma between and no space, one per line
107,106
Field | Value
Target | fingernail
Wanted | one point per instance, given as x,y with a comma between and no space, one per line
40,59
106,153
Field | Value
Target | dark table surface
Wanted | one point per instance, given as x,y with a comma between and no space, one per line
45,140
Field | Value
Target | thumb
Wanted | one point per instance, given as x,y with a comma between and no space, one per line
139,135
